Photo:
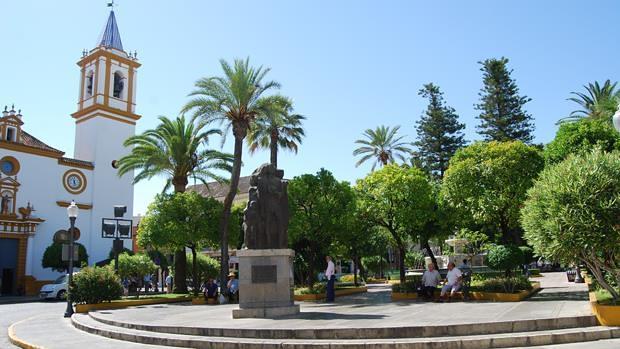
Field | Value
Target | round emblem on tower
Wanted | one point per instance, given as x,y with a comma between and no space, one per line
74,181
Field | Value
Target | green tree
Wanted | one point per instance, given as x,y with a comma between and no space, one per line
235,99
398,199
486,184
178,221
502,117
382,145
319,206
440,133
52,257
571,214
277,128
135,267
580,137
177,150
505,258
207,267
597,102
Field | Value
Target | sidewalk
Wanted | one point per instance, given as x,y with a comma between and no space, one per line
19,299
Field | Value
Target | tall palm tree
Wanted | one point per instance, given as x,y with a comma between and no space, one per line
277,128
383,145
235,99
175,149
597,101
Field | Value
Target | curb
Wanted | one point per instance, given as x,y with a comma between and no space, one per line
18,341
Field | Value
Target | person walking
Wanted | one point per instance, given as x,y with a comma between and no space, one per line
330,274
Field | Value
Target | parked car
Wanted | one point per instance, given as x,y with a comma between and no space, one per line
55,290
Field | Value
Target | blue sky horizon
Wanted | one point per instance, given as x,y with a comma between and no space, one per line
348,65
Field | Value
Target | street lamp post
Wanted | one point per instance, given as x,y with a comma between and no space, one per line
72,212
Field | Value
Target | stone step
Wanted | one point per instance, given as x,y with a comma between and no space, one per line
500,340
364,333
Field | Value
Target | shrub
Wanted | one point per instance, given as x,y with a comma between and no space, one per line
503,284
207,268
505,258
347,278
317,288
407,287
95,285
52,257
135,267
374,264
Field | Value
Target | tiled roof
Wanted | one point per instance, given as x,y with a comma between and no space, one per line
218,190
111,37
32,141
77,162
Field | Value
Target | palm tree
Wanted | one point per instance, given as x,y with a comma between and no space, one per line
277,128
235,99
383,145
597,101
175,149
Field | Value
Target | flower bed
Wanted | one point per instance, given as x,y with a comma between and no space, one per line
340,291
488,292
606,314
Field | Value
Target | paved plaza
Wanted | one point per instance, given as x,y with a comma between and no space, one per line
364,313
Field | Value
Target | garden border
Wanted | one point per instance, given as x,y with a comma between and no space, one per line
479,296
119,304
341,292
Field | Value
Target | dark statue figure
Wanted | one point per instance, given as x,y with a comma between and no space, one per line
4,205
265,219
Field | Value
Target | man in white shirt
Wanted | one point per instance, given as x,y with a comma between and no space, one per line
454,278
430,280
330,274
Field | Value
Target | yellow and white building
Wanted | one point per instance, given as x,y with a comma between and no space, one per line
37,181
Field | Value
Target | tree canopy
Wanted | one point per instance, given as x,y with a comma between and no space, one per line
398,199
440,133
486,184
571,214
581,137
502,117
319,205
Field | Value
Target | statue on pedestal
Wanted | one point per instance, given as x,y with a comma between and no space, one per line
265,221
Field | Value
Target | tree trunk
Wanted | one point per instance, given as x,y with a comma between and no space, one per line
180,259
429,250
195,272
401,262
225,219
355,271
180,271
273,146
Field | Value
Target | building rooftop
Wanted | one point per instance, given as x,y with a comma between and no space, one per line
219,190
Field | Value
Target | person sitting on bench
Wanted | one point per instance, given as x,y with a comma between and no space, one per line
453,281
430,280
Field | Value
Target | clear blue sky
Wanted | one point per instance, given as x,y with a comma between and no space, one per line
348,65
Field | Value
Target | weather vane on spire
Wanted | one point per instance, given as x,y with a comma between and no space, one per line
111,5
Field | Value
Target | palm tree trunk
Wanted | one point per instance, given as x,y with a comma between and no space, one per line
180,259
225,219
274,148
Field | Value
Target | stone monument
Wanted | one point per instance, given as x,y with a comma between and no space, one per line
266,264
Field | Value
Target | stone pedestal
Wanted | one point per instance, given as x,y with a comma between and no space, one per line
266,284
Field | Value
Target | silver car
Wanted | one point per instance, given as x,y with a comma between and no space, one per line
55,290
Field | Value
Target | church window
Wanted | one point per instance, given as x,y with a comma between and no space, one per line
89,84
118,85
9,166
10,134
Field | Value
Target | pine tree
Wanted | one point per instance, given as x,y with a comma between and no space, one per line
502,115
439,132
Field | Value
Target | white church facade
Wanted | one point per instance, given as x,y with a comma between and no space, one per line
37,181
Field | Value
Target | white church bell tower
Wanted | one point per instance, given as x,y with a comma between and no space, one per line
105,118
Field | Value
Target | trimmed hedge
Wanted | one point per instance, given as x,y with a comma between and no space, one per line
503,284
95,285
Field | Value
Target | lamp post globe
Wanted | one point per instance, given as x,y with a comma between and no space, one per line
72,213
